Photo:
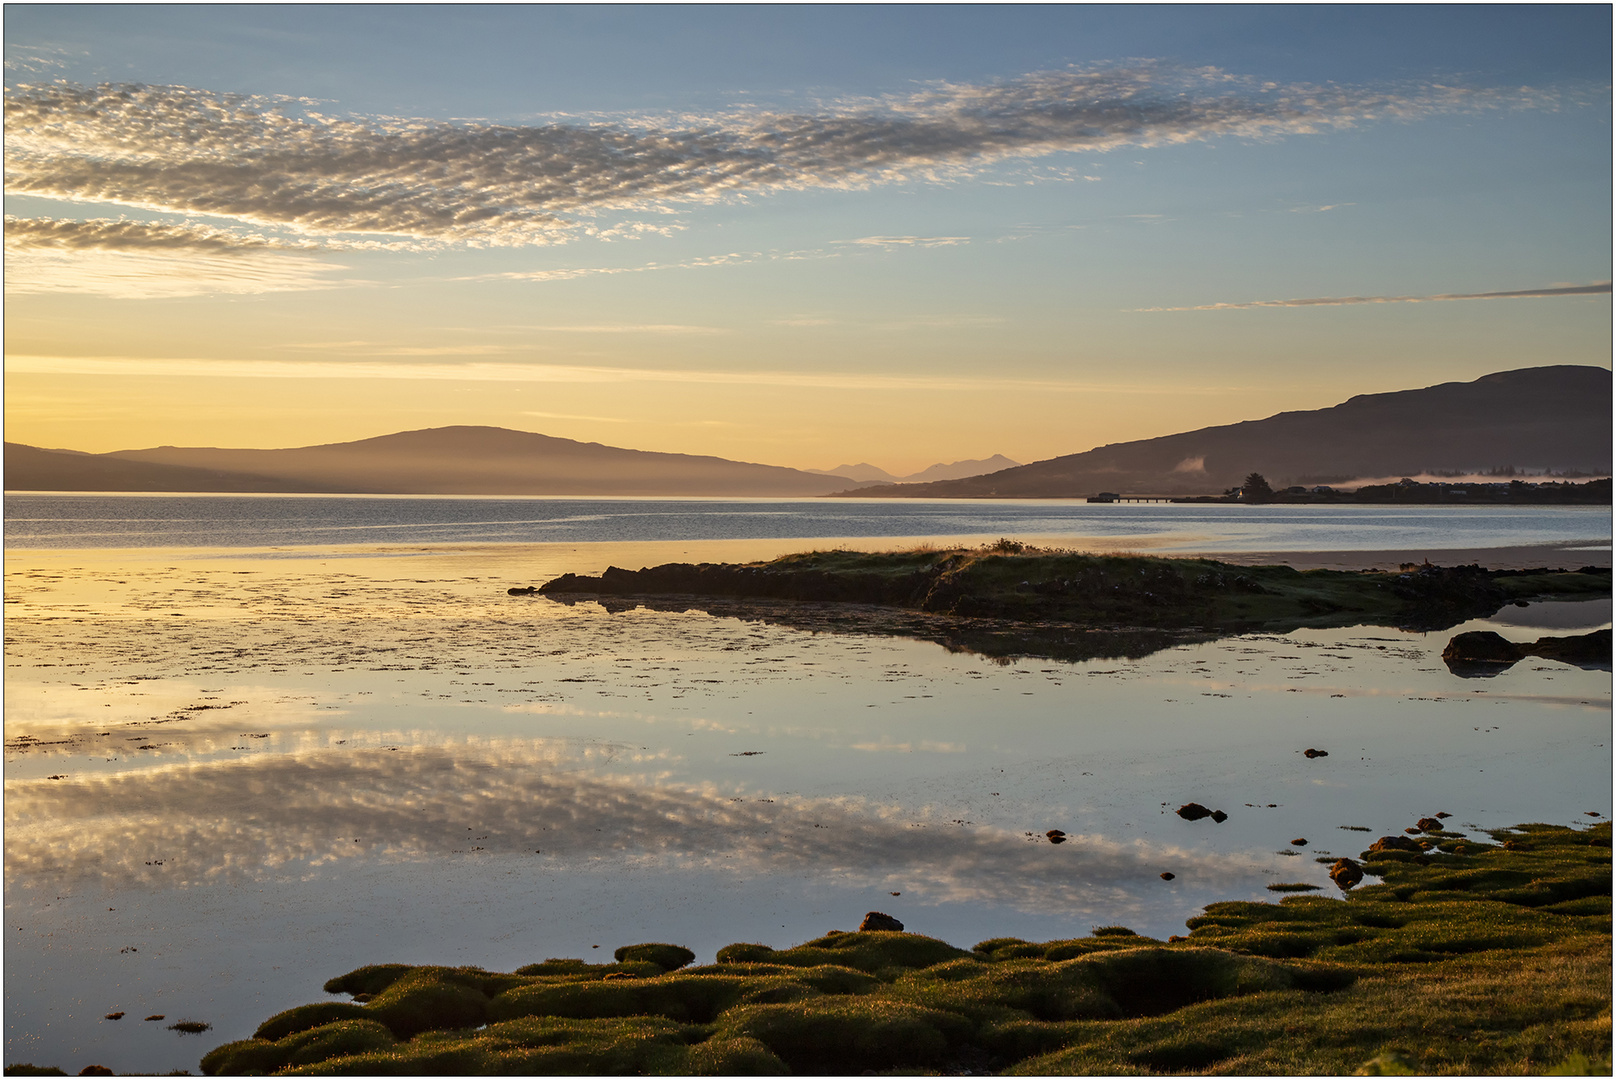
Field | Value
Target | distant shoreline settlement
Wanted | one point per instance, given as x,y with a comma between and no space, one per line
1256,489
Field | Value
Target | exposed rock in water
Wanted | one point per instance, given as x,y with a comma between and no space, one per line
1299,842
1193,811
1428,824
1345,873
529,591
1481,647
1312,753
877,920
1585,650
1483,653
1056,836
1396,843
1219,817
1168,875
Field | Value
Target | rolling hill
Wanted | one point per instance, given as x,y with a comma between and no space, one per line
433,461
1534,418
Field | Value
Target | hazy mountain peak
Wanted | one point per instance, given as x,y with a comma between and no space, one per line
959,470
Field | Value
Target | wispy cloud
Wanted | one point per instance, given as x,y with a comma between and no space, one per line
1318,209
912,241
35,59
570,416
631,328
1335,301
376,348
121,235
280,163
165,275
480,371
154,259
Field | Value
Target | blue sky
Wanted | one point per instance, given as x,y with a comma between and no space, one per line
800,235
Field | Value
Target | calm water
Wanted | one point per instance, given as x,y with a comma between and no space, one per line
231,775
122,521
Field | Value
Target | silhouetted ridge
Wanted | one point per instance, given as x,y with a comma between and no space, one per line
1544,418
461,460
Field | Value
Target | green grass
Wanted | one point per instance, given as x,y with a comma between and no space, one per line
1467,958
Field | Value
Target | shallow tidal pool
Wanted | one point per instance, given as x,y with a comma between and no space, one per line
233,775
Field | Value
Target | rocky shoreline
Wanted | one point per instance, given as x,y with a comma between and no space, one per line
1442,953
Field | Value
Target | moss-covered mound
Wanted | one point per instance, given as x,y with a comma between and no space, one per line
1011,581
1460,957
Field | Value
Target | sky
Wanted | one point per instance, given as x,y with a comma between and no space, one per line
804,236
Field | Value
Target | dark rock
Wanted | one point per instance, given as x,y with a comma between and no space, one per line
96,1070
1345,873
1428,824
156,1016
529,591
1480,653
1443,814
1056,836
1312,753
1168,875
1219,817
1395,843
1299,842
113,1016
1193,811
1590,650
877,920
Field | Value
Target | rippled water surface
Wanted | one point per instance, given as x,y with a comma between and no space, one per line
74,521
231,775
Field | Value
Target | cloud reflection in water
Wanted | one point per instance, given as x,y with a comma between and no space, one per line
304,813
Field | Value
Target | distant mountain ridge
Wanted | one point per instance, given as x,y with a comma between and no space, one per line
956,470
1555,417
1533,418
461,460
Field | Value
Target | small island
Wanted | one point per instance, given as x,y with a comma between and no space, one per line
1009,580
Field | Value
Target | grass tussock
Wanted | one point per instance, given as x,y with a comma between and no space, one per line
1462,959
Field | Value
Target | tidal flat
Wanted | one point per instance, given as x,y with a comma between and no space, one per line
234,774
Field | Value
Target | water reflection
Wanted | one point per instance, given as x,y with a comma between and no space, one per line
185,825
1004,640
337,764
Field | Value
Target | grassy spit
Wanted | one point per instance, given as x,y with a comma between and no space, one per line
1009,580
1453,957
